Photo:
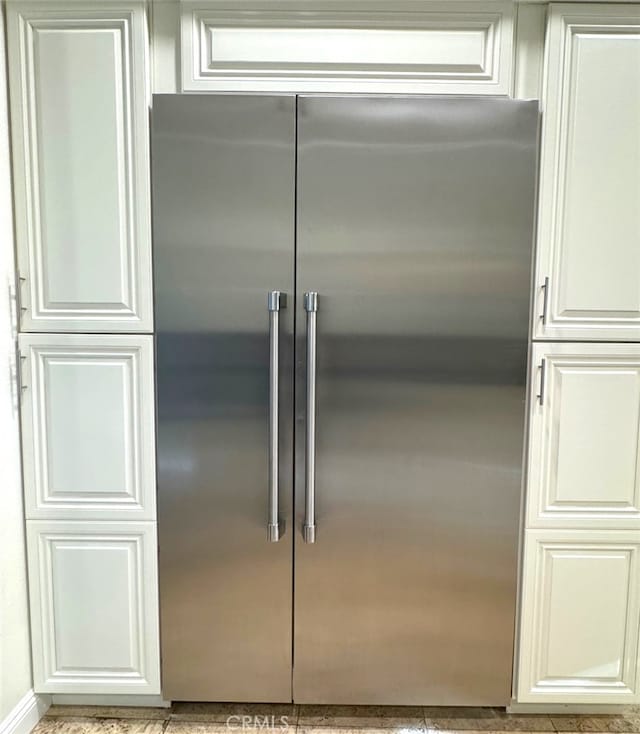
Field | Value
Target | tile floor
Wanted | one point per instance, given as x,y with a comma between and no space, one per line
209,718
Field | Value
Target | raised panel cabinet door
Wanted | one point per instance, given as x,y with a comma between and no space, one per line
438,48
94,607
88,426
589,222
579,620
584,440
79,122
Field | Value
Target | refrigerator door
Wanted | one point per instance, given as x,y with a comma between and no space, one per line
415,228
223,224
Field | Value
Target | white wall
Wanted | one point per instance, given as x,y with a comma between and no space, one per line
15,656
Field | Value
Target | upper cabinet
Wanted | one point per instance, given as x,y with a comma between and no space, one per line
589,220
429,47
80,108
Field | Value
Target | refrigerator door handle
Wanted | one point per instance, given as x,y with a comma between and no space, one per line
309,529
275,302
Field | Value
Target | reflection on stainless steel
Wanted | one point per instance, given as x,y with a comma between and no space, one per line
223,208
416,229
275,302
414,222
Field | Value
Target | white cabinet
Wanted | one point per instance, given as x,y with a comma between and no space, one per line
429,47
79,82
79,100
580,603
589,217
93,593
584,446
89,476
88,426
580,617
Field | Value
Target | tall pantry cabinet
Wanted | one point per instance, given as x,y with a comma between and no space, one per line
580,605
79,86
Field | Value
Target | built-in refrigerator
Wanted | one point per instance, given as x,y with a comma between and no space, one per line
342,291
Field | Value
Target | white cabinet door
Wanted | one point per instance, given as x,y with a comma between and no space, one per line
94,607
584,444
399,47
88,426
589,222
79,101
580,611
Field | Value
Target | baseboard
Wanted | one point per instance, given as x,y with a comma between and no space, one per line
563,708
32,707
25,714
71,699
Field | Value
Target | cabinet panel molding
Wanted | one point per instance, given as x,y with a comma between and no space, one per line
94,607
451,47
88,426
589,222
580,610
584,444
79,98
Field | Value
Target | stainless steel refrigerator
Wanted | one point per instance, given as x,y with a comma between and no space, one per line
342,292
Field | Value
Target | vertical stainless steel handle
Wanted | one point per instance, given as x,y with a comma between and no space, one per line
545,302
275,302
543,374
309,529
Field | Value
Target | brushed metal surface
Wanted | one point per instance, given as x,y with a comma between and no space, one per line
415,227
223,224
